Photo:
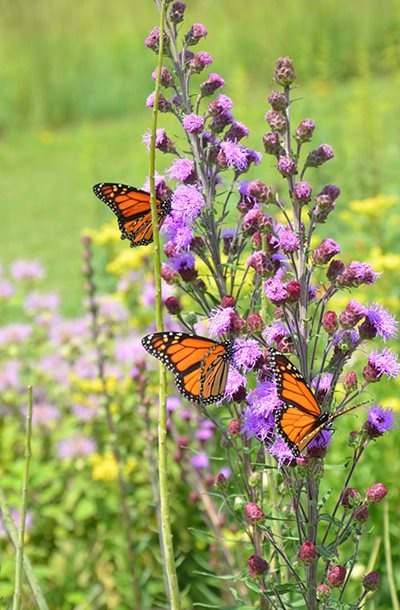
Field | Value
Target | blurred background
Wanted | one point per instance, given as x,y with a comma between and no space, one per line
74,80
75,76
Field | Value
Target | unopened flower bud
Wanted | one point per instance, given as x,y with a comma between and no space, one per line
278,101
166,80
335,268
254,513
195,34
302,193
173,305
307,552
286,166
227,301
220,481
376,492
284,71
304,132
255,323
276,120
330,322
367,330
177,12
272,143
371,581
371,374
327,249
233,428
211,84
320,155
361,514
293,289
336,576
262,192
200,61
350,381
257,566
153,40
351,498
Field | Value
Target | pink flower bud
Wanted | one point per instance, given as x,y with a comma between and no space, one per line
323,593
307,552
173,305
336,576
330,322
257,566
350,381
351,498
284,71
376,492
254,513
227,301
371,581
361,514
255,322
233,428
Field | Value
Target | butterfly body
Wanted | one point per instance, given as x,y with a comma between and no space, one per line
133,211
300,419
200,365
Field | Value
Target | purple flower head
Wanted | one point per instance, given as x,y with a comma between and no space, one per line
327,249
27,270
282,453
220,105
234,384
277,100
289,241
193,123
385,362
272,143
200,61
236,132
231,155
324,382
163,104
162,190
220,321
275,332
204,433
353,313
380,418
382,321
184,260
187,202
259,415
260,262
76,446
177,12
219,122
36,303
246,352
196,33
284,71
153,40
275,291
356,273
304,132
6,289
15,333
182,170
211,84
302,192
276,120
200,461
346,340
320,155
179,234
167,80
286,166
163,142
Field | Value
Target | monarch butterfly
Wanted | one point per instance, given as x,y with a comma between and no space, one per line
300,419
132,209
200,365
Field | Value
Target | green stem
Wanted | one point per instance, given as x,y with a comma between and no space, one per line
24,493
165,533
388,558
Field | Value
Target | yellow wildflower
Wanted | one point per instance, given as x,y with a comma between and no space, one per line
129,259
383,261
94,386
106,234
105,467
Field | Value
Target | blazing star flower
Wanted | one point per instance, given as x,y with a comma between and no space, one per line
163,142
275,332
221,105
211,84
289,241
281,452
302,192
182,170
259,416
236,132
163,104
76,446
246,352
187,202
200,61
220,321
178,232
234,382
232,155
380,418
275,291
356,273
193,123
383,322
167,80
27,270
286,166
385,362
324,382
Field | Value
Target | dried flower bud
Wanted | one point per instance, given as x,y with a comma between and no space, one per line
302,193
233,428
177,12
308,552
278,101
254,513
319,156
376,492
336,576
335,268
284,71
371,581
350,381
351,498
286,166
361,514
330,322
272,143
276,120
327,249
304,132
257,566
255,323
195,34
173,305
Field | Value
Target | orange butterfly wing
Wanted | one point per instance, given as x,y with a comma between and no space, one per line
300,419
132,209
200,365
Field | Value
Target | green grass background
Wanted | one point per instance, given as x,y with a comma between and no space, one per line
75,76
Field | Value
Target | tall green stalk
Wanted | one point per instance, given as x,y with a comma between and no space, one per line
165,534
